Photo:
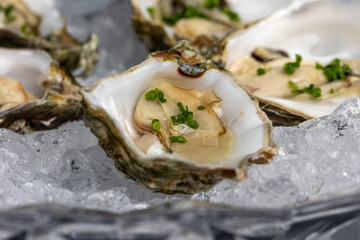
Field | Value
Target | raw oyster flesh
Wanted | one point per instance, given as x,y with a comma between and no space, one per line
171,125
328,59
35,93
37,24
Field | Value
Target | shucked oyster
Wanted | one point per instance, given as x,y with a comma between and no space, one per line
171,124
37,24
160,23
35,93
328,59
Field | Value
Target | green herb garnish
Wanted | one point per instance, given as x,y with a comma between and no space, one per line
160,95
153,94
177,139
151,11
150,95
290,67
186,12
171,20
314,92
332,91
211,4
232,15
335,71
261,71
186,116
156,124
191,12
7,12
25,30
201,107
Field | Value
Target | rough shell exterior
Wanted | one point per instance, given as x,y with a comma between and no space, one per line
161,174
61,103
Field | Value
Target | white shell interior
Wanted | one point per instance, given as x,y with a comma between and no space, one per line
29,67
319,30
47,10
256,9
118,96
247,10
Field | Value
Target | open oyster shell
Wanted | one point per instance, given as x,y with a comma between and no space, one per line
304,28
35,93
161,23
111,104
37,24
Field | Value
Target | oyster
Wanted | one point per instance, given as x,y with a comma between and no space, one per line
308,92
160,23
171,125
35,93
37,24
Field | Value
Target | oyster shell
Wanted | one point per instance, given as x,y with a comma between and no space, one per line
37,24
161,23
305,29
35,93
123,119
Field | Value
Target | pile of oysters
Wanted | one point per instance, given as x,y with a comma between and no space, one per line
202,106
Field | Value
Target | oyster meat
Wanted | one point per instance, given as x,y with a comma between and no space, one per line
324,48
160,23
171,125
35,93
38,24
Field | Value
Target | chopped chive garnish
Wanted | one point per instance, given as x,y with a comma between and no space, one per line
185,12
150,95
25,30
174,120
260,71
177,139
193,124
194,12
8,10
232,15
160,95
201,107
211,3
171,20
186,116
181,119
182,109
335,71
314,92
156,124
151,11
153,94
190,116
332,91
290,67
